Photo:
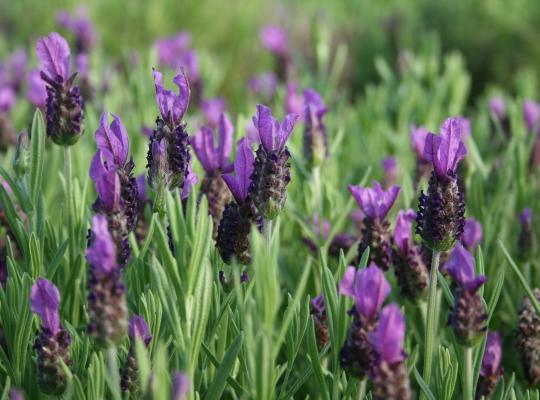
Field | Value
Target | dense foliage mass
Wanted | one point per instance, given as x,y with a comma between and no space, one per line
171,227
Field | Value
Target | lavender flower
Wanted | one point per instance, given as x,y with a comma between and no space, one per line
528,339
106,292
369,288
7,132
469,313
376,204
15,394
191,180
440,218
212,110
531,114
170,49
168,152
181,386
389,374
418,140
315,134
264,86
80,26
53,342
390,169
129,381
491,370
64,101
320,319
14,69
271,173
215,160
472,234
235,226
275,39
497,107
294,101
526,240
410,268
36,92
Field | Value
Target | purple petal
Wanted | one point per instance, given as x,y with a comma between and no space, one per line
418,139
240,181
181,386
264,85
107,181
8,98
203,145
113,139
80,25
171,49
212,110
171,106
531,113
497,107
402,233
182,100
286,130
525,217
274,38
265,124
54,56
82,64
139,329
189,182
348,282
371,290
460,266
141,189
472,234
294,103
375,202
44,301
387,339
491,362
226,133
101,254
318,304
447,149
36,91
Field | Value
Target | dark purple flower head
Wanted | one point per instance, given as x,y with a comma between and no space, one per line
497,107
375,202
139,329
54,56
172,106
79,24
387,339
171,49
472,234
491,362
8,98
525,217
403,230
317,304
180,388
264,85
294,102
212,156
460,266
190,181
274,38
141,189
531,113
272,134
106,179
213,109
368,287
113,138
239,181
101,254
36,92
44,301
445,151
418,139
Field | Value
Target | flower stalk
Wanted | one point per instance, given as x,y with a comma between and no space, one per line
431,323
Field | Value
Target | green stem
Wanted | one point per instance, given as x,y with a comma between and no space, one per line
68,175
467,373
431,323
268,232
361,393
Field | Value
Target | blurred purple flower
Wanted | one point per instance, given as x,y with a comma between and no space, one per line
172,106
294,101
44,301
181,386
106,179
375,202
264,85
274,38
403,230
491,362
113,138
147,131
8,98
368,287
141,189
390,168
80,25
16,68
525,217
212,110
387,339
497,107
465,128
212,156
460,266
36,92
418,139
139,329
15,394
82,64
101,254
531,114
315,134
472,234
272,134
240,180
190,180
171,49
445,151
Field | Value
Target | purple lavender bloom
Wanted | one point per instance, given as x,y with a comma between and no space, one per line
320,319
274,38
390,168
445,151
497,107
294,101
15,394
80,26
418,140
465,128
113,138
16,68
141,189
264,85
147,131
531,114
106,180
170,49
315,134
82,64
36,91
181,386
129,375
172,106
491,370
402,233
139,329
460,266
272,134
472,234
44,301
191,180
101,253
54,55
214,157
368,287
8,98
387,339
213,109
240,181
525,217
375,202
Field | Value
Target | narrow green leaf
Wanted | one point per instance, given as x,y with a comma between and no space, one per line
218,384
37,155
423,385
